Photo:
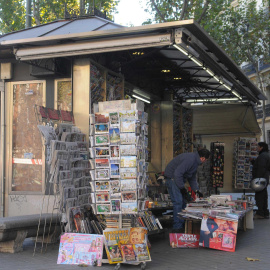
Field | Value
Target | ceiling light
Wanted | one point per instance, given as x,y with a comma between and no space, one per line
196,61
182,50
165,70
236,94
177,78
216,78
145,100
209,71
211,99
226,86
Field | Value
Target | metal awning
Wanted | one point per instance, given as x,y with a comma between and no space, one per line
179,58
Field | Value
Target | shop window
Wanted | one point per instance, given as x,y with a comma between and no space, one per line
27,155
63,95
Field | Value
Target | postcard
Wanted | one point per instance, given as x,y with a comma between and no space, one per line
114,118
128,161
114,135
115,186
129,196
128,173
101,139
101,117
114,152
115,170
141,165
128,126
127,115
116,205
102,163
129,208
102,186
101,128
102,174
130,184
102,197
103,208
128,138
128,150
102,151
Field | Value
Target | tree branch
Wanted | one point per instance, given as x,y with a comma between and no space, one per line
204,11
157,10
183,10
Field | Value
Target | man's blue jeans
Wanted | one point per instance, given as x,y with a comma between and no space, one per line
178,203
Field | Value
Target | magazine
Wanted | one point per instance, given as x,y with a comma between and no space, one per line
80,249
114,135
131,241
184,240
142,252
128,253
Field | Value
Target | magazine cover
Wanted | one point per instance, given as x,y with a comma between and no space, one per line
132,242
128,161
101,139
128,173
222,234
102,151
101,128
80,249
128,150
101,117
114,135
142,252
184,240
115,170
115,154
128,253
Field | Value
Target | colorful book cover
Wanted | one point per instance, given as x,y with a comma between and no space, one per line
128,253
80,249
184,240
142,252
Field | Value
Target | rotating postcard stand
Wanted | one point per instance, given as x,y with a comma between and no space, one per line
118,151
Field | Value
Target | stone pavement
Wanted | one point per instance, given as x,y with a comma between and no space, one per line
252,243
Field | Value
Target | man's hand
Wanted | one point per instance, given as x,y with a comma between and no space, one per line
184,192
199,194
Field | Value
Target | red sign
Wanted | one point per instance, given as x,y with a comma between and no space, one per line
184,240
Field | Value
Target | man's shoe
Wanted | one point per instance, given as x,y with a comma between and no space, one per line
256,216
182,230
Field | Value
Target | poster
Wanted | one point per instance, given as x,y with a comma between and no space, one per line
222,234
80,249
126,245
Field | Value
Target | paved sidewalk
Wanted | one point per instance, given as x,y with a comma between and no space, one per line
252,243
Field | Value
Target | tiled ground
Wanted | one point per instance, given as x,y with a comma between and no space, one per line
252,243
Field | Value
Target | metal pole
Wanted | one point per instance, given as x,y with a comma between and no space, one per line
28,14
2,149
